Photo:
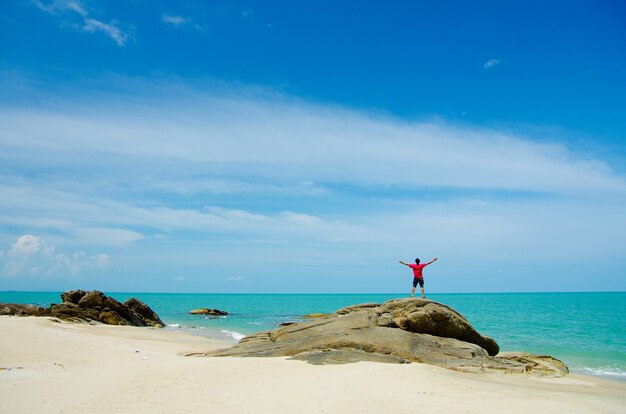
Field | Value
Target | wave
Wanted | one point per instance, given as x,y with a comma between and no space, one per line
234,335
607,372
221,334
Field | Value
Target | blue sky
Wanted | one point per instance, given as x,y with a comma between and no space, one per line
281,147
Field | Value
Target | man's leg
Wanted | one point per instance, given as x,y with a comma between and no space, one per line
421,282
413,291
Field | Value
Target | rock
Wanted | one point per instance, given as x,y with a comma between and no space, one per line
353,308
94,306
208,311
544,365
112,318
73,313
316,315
144,313
424,316
93,299
20,309
518,363
286,323
72,296
402,330
343,356
113,305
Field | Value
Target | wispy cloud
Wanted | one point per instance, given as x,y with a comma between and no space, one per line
60,6
76,9
491,63
32,255
234,278
250,15
182,22
106,222
110,29
176,20
266,138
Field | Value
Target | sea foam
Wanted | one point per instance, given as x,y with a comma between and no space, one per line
235,335
607,372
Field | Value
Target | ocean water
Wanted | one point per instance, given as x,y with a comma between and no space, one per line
585,330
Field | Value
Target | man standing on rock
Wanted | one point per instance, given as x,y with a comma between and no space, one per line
417,274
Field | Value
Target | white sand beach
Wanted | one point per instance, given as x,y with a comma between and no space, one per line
52,367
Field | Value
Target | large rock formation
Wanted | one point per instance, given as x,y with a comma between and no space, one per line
92,306
398,331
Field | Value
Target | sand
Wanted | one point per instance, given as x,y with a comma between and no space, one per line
52,367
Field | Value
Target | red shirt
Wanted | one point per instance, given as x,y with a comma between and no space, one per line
417,270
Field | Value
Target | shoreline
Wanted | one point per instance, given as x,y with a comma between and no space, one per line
588,345
63,367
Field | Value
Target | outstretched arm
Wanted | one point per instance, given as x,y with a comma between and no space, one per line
400,261
432,261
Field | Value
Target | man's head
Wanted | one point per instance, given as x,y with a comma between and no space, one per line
417,261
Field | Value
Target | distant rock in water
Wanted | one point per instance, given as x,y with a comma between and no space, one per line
89,306
208,311
398,331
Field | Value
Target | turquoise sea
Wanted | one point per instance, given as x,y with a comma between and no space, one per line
585,330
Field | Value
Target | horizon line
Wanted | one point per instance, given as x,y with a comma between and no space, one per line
312,293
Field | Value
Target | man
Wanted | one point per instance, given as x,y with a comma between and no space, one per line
417,274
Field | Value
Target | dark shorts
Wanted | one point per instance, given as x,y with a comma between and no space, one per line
417,280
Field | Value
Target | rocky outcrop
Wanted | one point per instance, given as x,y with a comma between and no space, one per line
92,306
208,311
398,331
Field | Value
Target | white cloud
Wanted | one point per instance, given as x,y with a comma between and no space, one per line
491,63
27,245
32,255
176,20
107,236
59,6
225,186
110,29
102,260
57,211
273,139
89,24
182,22
234,278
